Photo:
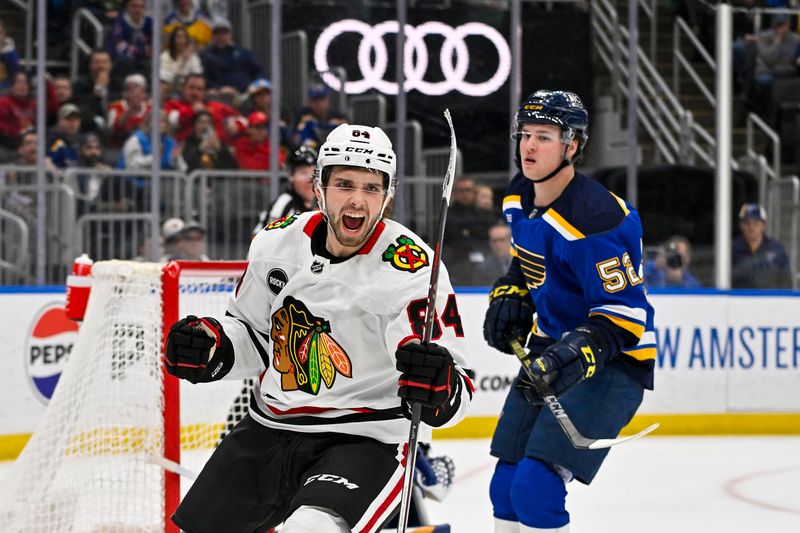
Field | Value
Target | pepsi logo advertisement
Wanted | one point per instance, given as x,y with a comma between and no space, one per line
49,344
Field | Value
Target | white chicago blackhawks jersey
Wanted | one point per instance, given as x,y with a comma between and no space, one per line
321,334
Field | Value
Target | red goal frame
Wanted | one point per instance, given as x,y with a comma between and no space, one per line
170,311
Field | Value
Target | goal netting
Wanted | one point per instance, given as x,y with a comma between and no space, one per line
99,459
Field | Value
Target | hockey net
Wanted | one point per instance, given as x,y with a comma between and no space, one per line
104,456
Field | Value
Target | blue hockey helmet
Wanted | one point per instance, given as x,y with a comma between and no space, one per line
560,108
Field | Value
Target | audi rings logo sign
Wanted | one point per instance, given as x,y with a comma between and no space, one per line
373,57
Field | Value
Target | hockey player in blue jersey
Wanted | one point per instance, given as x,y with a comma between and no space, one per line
574,291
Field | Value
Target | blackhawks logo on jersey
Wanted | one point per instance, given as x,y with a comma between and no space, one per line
303,350
406,255
280,223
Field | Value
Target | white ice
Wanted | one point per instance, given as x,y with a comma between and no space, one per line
652,485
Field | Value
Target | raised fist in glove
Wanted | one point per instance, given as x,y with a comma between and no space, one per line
198,350
569,361
510,313
427,377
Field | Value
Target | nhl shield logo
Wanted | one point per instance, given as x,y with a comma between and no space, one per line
303,350
406,255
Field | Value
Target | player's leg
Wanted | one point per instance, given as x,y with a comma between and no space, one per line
508,445
539,497
240,488
309,519
355,478
599,407
505,519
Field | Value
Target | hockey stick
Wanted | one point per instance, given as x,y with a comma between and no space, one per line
550,399
171,466
430,312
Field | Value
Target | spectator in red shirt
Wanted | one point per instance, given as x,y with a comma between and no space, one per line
18,112
252,148
180,113
126,115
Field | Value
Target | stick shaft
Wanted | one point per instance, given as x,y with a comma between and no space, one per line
427,333
551,401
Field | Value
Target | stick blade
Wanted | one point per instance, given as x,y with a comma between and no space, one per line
447,187
600,444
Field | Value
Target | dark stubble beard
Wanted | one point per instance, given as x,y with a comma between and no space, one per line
347,240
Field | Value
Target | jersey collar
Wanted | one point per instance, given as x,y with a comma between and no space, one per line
317,218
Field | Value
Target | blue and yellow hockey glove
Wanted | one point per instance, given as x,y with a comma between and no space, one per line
510,313
575,357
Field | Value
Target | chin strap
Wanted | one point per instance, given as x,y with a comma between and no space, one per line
564,162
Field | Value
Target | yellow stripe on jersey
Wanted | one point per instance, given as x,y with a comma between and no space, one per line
634,327
567,230
621,203
512,201
642,354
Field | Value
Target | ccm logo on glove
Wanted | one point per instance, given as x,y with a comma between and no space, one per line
198,350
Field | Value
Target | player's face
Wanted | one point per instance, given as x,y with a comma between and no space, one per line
354,197
302,182
540,149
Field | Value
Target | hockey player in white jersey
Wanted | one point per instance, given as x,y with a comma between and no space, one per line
328,315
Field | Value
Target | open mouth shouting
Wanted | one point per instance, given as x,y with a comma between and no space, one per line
352,223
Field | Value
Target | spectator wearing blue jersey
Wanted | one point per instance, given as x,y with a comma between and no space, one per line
670,269
9,60
137,154
317,119
63,143
574,294
129,40
759,261
228,67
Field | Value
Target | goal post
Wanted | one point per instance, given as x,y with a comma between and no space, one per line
211,276
96,461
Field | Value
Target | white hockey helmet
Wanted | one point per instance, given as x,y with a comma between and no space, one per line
358,146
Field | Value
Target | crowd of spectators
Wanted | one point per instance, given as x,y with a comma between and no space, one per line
766,60
215,97
216,114
757,260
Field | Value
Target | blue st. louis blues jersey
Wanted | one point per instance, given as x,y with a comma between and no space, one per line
581,259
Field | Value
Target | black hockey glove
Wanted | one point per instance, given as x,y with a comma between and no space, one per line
510,313
428,377
198,350
575,357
